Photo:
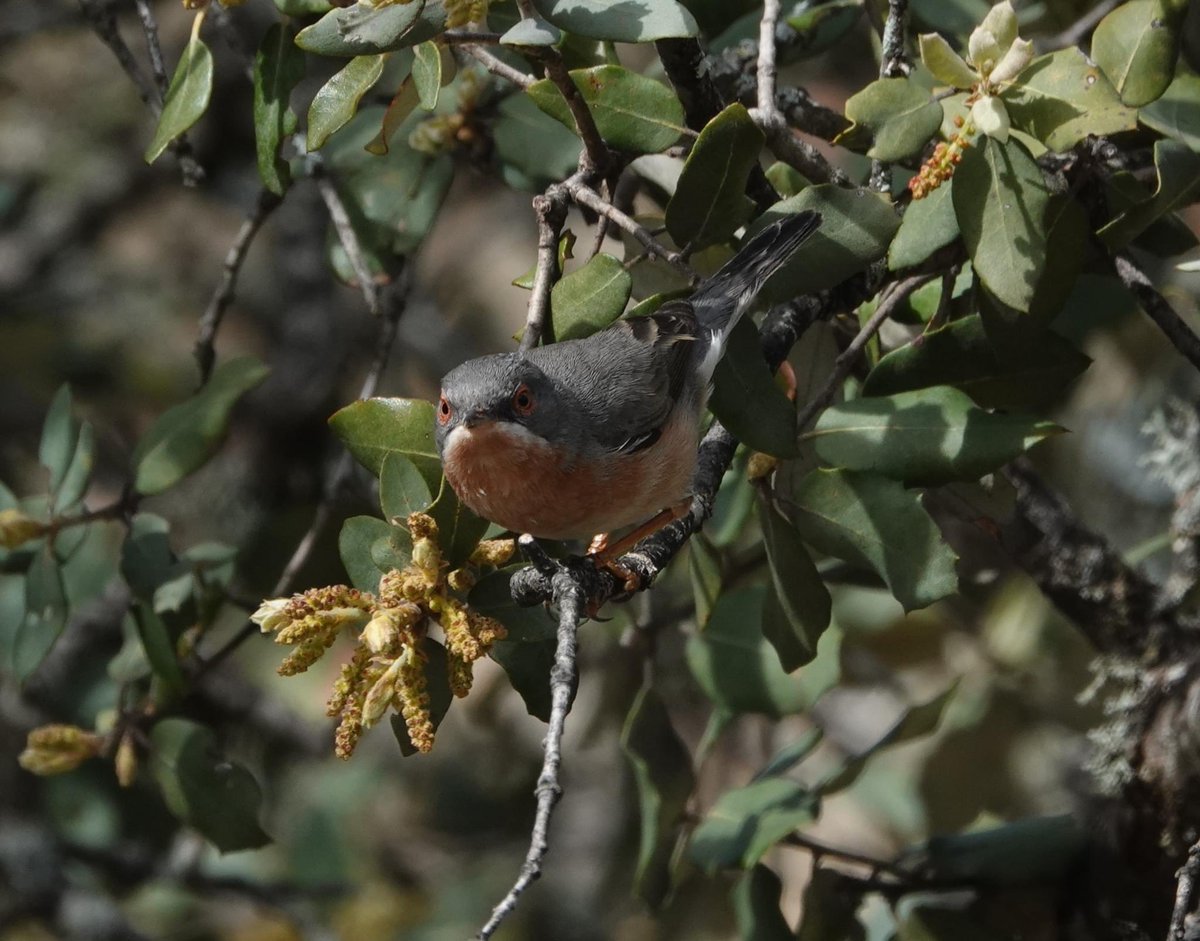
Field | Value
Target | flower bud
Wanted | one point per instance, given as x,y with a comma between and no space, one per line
17,528
271,615
55,749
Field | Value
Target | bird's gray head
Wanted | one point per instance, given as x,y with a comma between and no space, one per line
506,387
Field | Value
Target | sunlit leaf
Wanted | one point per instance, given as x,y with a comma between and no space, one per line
643,21
632,112
710,202
893,119
374,428
873,521
929,224
337,100
365,29
188,94
590,298
402,488
1136,45
278,68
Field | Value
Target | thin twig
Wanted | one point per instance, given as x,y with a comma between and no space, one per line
586,196
210,321
1157,308
767,112
820,850
1185,886
569,598
595,159
550,208
462,36
349,238
150,28
497,66
894,297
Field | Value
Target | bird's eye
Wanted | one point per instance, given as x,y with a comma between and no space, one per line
522,400
444,410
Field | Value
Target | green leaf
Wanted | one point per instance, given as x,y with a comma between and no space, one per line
1178,168
186,435
893,119
205,789
60,436
74,482
662,771
146,557
796,589
1000,200
365,29
459,530
1026,851
278,68
532,31
632,112
756,906
402,488
644,21
433,67
830,904
736,667
873,521
856,228
928,436
356,541
1176,113
399,109
704,567
928,224
746,399
533,143
787,180
1136,45
791,755
528,667
337,100
437,685
303,8
1063,97
960,355
710,201
159,647
591,298
746,822
916,722
374,428
491,596
943,63
187,95
45,614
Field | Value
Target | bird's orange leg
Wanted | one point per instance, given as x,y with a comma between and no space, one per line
605,553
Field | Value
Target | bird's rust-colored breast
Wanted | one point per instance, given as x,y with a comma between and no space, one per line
508,475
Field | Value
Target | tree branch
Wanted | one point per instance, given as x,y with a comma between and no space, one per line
893,64
569,598
583,194
348,237
1184,888
551,211
210,321
497,66
1157,308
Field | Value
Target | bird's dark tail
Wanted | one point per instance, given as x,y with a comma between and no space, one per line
722,299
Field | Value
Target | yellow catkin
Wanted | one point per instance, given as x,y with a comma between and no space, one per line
305,655
55,749
460,641
487,630
352,672
494,552
460,674
414,701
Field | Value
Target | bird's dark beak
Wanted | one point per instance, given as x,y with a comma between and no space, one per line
476,417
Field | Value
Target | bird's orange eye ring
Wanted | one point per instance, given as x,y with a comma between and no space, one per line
444,410
522,400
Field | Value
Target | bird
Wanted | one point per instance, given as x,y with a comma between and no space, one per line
586,437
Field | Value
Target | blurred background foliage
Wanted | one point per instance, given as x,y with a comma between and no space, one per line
106,265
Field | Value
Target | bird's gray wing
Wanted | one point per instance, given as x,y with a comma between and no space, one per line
626,379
